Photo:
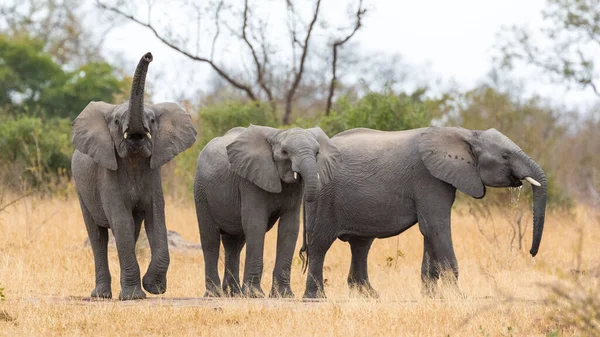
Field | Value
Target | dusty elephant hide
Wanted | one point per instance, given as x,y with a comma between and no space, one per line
176,242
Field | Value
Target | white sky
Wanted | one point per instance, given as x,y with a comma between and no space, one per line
451,41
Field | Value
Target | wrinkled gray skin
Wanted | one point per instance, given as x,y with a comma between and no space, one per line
244,183
391,180
116,168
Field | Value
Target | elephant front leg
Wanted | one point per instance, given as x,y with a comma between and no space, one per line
254,223
98,237
429,270
155,279
358,277
439,259
233,245
124,232
287,235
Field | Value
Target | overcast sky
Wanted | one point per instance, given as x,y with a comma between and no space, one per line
449,40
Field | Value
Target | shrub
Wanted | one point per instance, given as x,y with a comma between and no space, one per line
33,150
382,111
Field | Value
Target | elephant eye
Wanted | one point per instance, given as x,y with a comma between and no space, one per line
284,152
152,120
505,156
116,121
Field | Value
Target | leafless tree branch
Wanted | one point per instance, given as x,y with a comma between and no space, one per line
260,68
237,84
298,76
337,44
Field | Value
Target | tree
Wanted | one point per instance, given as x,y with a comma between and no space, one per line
31,83
275,68
565,48
59,26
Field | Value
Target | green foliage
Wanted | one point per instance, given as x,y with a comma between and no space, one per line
31,83
383,111
34,149
2,296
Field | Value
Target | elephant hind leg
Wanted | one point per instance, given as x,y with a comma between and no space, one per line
358,277
210,238
317,247
233,245
98,237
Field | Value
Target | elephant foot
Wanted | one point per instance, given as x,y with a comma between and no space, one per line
316,294
102,291
364,290
155,286
131,293
253,291
212,292
430,290
281,292
232,290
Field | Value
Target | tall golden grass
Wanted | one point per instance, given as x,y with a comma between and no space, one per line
45,270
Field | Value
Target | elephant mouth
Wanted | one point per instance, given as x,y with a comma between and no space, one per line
515,182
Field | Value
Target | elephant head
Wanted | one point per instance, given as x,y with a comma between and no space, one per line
267,156
471,160
133,129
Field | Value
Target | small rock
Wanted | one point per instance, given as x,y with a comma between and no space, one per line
176,242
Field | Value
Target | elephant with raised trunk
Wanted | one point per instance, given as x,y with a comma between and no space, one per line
392,180
119,150
245,181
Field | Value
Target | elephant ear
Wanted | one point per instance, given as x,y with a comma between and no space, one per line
251,156
90,134
447,155
174,133
329,157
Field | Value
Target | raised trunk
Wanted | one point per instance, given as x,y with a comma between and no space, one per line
532,169
308,171
136,101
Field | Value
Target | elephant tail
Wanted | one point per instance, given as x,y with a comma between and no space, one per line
304,249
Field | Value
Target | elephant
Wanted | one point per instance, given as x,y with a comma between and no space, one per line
119,150
392,180
245,181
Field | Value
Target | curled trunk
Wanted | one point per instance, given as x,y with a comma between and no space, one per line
136,101
308,171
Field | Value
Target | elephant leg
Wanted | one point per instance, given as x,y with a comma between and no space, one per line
210,238
155,279
98,236
138,218
233,245
287,235
358,277
254,223
435,227
430,272
318,245
124,231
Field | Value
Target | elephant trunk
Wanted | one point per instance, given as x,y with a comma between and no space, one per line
136,101
310,177
533,170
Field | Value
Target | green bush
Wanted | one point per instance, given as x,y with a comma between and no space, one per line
382,111
33,150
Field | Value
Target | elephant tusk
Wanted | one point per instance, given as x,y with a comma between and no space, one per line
125,135
148,135
318,177
295,176
533,181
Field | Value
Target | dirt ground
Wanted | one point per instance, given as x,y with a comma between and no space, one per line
47,272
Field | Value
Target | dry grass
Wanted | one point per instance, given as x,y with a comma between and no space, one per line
42,258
